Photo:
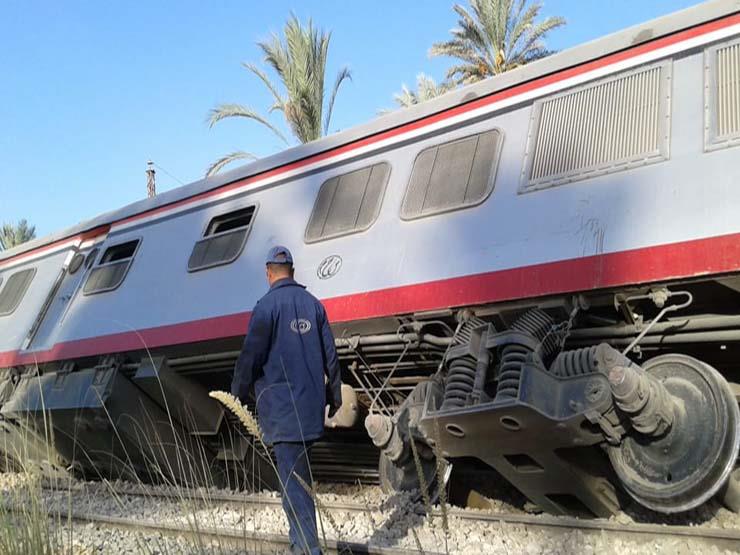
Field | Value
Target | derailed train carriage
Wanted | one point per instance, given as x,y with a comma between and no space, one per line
539,272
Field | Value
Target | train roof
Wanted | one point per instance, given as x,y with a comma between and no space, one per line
572,57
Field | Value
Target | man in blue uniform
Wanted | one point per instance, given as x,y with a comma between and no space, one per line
288,351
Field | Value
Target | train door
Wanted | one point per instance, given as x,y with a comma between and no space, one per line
46,329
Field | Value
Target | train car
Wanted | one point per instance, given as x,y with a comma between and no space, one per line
539,272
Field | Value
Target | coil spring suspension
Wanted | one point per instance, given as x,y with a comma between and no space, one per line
575,363
512,358
538,324
461,372
459,383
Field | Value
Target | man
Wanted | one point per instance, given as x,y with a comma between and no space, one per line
288,349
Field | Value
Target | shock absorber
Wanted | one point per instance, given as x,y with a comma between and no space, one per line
534,323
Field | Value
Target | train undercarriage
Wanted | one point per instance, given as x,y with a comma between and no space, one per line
577,401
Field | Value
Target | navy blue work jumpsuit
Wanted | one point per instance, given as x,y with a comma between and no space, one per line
288,350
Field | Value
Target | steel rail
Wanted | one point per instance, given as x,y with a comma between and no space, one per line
720,537
240,538
215,497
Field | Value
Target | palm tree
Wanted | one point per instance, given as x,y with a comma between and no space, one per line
299,60
497,36
13,235
426,89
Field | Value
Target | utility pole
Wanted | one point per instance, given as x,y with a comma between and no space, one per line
151,186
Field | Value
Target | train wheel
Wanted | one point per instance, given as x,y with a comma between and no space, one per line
687,465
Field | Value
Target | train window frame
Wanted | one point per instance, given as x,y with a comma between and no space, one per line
4,283
490,185
660,154
104,262
357,229
712,138
209,235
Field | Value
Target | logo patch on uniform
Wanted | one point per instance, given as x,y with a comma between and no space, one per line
300,325
329,267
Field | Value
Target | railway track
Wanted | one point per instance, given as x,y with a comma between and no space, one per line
240,539
718,537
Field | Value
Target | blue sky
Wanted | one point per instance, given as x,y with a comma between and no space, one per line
90,90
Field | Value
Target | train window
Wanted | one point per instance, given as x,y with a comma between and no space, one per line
76,263
110,271
348,203
722,89
223,240
453,175
615,124
14,290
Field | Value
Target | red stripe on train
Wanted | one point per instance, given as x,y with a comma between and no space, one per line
714,255
91,234
656,44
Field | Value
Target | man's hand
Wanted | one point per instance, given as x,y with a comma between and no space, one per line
333,403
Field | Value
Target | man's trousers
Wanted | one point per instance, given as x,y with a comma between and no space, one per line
292,460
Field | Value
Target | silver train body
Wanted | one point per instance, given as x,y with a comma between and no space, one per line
554,213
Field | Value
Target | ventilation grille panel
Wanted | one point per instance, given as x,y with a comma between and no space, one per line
611,125
728,91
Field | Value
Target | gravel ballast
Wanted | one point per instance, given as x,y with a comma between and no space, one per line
394,522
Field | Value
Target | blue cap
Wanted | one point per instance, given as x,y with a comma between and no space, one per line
279,255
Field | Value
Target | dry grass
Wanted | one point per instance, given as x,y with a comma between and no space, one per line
240,411
29,527
25,526
439,462
33,517
417,541
423,487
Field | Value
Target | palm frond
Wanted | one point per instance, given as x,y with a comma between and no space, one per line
219,164
14,235
298,58
494,36
343,74
523,25
265,80
533,47
225,111
426,89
